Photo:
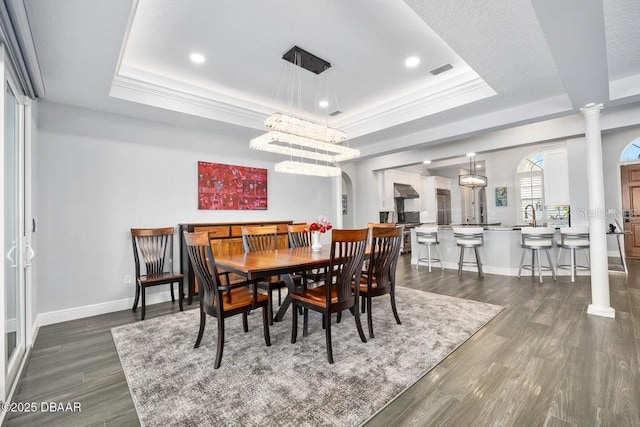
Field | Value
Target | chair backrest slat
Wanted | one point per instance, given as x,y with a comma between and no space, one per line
299,235
383,259
347,254
155,247
260,238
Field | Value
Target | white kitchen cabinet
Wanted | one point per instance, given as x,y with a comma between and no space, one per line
556,177
385,191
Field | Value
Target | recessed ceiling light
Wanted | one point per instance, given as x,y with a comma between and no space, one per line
323,103
471,154
426,162
197,58
412,61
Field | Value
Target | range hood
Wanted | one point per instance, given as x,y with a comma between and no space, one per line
404,191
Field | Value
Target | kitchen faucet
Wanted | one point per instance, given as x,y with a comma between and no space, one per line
533,210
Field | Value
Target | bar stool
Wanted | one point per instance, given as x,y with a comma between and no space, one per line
427,236
469,237
574,238
536,239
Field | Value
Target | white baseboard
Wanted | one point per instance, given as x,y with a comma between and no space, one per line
65,315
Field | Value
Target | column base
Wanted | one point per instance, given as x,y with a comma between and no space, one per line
601,311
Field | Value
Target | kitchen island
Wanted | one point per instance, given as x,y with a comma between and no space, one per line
500,254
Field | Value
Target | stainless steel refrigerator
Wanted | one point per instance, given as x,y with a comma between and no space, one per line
443,205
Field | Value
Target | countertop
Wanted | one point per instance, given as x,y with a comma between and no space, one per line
489,227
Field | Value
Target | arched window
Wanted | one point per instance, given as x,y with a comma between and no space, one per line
632,152
530,181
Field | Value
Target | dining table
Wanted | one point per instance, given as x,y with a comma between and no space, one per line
284,262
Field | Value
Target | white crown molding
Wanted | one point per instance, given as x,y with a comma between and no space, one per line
432,103
624,88
163,97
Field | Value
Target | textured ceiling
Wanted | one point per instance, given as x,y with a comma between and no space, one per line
623,37
510,44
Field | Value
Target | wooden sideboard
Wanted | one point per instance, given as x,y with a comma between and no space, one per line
225,238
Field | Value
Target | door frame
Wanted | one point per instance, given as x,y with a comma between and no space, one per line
13,368
619,213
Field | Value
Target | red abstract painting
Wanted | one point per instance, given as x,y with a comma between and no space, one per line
231,187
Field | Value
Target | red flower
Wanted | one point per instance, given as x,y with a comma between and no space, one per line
323,229
313,227
329,227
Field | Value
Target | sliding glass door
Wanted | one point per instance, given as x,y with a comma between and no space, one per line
14,226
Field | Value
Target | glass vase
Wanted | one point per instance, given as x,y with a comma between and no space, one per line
315,241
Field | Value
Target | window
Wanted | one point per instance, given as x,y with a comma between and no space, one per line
531,185
632,152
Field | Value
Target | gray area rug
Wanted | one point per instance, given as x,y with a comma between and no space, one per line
290,384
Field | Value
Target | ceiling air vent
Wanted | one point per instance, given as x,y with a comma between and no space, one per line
442,69
336,113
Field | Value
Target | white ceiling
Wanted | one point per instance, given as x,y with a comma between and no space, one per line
515,62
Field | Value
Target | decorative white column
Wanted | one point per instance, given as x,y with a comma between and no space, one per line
600,301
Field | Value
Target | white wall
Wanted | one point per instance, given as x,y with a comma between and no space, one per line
101,174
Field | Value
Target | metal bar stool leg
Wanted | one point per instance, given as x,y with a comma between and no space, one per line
539,265
478,262
573,265
461,260
429,255
553,270
440,257
419,254
524,253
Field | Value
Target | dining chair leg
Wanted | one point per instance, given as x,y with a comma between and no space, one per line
245,322
294,324
338,317
173,298
270,303
279,296
305,322
144,305
265,326
137,298
203,320
220,346
180,295
364,308
359,326
461,260
393,306
324,321
328,338
369,317
553,269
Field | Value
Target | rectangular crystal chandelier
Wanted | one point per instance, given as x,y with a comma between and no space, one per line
302,139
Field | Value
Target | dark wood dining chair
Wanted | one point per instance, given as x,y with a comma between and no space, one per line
379,278
337,293
264,238
222,300
299,236
155,247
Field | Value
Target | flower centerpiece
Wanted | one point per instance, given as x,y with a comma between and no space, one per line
321,226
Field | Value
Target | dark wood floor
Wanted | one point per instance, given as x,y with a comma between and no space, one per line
542,361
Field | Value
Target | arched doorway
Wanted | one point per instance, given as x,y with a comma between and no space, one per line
347,202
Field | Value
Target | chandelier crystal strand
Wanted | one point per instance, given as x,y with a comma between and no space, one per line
301,168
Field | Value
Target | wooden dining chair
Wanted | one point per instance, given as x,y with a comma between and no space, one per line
219,300
299,236
336,294
264,238
379,279
155,247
